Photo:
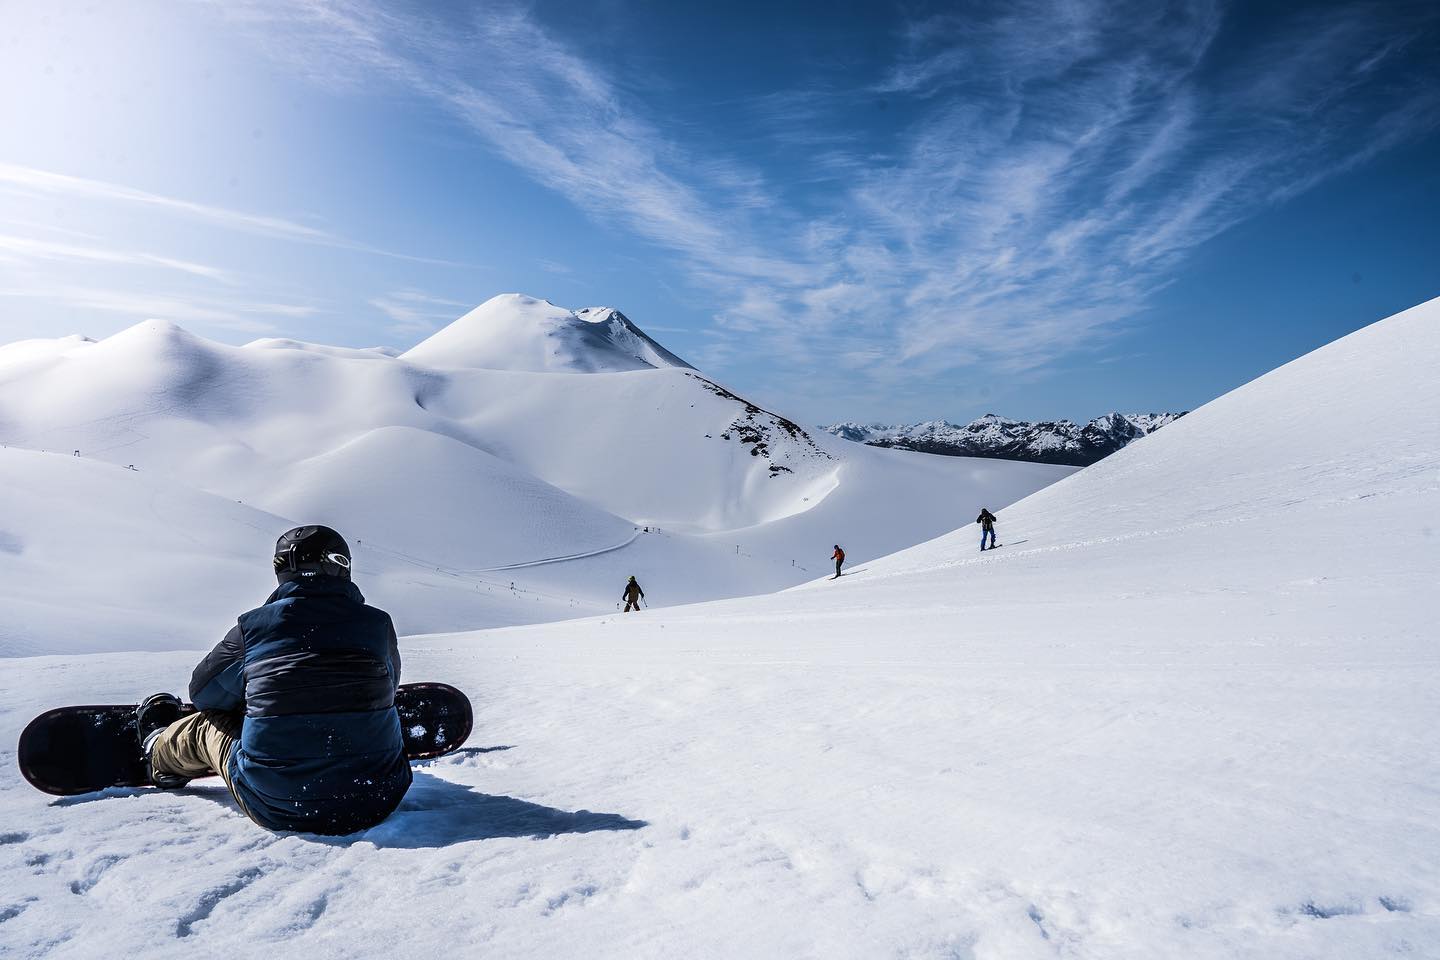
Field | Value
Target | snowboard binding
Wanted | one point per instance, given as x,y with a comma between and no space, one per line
155,713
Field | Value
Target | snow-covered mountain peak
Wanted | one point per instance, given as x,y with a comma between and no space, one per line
987,420
516,332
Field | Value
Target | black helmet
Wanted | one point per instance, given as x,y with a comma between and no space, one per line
310,551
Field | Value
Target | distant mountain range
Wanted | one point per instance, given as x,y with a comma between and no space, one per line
1049,441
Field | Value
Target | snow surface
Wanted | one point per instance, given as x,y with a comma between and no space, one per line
471,496
1187,710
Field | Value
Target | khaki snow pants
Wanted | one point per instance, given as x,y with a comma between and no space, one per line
194,747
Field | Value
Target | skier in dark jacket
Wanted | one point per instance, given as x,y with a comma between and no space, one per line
296,703
632,595
987,526
839,557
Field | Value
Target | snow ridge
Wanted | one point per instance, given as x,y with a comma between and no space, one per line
759,429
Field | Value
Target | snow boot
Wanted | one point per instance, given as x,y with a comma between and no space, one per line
155,713
165,781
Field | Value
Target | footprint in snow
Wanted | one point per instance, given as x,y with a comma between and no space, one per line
92,876
212,898
1352,908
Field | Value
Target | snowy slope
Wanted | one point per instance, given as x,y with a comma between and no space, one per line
1179,714
657,446
491,502
86,564
22,354
472,480
96,557
1308,427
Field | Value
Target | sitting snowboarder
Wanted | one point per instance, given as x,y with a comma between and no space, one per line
987,526
296,703
839,557
632,595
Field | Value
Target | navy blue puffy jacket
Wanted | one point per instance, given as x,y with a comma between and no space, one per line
315,671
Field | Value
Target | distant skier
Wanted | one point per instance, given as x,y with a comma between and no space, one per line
632,595
296,704
839,557
987,527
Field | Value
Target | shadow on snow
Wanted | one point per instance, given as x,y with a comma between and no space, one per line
435,813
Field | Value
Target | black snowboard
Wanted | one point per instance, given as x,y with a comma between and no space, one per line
73,750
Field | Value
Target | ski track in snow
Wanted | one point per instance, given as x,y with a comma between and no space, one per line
565,559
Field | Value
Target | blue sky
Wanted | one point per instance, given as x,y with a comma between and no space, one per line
846,211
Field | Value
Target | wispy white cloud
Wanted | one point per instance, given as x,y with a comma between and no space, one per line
1069,154
414,312
33,226
1057,161
242,316
58,183
49,182
555,115
662,328
33,248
